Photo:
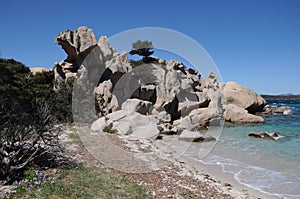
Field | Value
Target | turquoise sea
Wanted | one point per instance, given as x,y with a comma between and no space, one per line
270,166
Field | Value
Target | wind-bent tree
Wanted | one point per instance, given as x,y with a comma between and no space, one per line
142,48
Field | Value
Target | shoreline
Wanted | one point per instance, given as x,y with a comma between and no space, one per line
213,175
222,179
153,162
216,172
170,174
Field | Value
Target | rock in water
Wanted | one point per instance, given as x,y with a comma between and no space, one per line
234,93
192,136
238,115
241,103
265,135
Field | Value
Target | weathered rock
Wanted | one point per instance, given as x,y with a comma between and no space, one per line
145,92
234,93
192,136
116,116
76,42
269,109
241,103
105,100
176,93
138,125
133,123
82,49
277,109
188,101
99,124
38,70
238,115
106,49
163,117
265,135
119,64
213,94
137,105
95,65
163,130
197,119
283,110
82,75
71,75
77,45
167,85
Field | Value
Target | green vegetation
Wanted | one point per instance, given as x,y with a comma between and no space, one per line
79,182
29,108
109,129
75,139
23,92
62,102
144,49
188,194
164,62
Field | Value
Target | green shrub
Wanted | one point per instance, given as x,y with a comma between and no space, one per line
26,117
109,129
188,194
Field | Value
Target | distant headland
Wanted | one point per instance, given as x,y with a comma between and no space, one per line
281,97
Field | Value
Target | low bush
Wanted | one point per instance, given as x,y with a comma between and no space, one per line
109,129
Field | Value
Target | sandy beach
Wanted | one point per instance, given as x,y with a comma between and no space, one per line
164,172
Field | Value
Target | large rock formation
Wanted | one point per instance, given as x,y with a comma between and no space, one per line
166,93
76,44
241,103
238,115
243,97
129,123
81,45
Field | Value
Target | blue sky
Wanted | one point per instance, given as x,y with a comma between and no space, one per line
253,42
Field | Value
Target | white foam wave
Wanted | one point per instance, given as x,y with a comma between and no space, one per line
287,112
264,180
269,182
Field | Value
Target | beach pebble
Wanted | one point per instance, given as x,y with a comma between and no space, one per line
227,184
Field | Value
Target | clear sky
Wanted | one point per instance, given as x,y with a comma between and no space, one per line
253,42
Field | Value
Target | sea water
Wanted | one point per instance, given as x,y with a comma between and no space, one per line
267,165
